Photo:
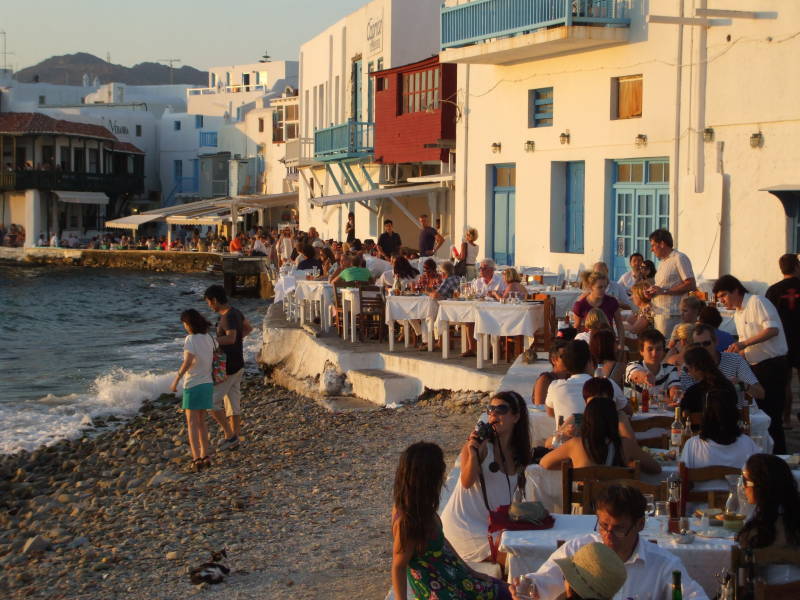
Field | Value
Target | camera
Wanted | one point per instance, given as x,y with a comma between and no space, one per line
485,431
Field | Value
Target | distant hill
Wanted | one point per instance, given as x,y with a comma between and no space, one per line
69,69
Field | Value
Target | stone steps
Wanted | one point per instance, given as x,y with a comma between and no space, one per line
384,388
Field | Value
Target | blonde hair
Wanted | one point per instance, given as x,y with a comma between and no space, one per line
589,278
472,233
684,331
511,275
596,319
638,290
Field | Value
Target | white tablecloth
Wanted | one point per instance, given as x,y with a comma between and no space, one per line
284,286
493,318
315,291
404,308
456,311
564,298
528,550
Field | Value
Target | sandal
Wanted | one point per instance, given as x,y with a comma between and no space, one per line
206,461
197,465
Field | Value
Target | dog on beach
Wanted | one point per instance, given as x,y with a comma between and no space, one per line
211,572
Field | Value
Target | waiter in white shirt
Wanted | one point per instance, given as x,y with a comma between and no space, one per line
629,278
620,518
674,279
762,342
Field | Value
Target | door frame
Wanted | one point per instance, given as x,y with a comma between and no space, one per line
492,189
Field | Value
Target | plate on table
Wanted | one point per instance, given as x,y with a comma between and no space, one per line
719,533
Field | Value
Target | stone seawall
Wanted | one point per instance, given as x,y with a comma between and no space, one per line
146,260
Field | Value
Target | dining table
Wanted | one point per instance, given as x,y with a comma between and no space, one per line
318,296
408,308
564,299
704,558
492,319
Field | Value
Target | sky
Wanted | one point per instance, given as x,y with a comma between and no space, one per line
200,33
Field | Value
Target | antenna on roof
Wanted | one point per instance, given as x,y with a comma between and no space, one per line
171,62
265,58
4,52
108,57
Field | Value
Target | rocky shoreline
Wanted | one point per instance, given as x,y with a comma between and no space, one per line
302,507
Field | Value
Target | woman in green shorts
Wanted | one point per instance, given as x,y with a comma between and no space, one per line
198,387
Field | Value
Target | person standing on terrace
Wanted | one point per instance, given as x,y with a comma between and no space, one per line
429,238
674,279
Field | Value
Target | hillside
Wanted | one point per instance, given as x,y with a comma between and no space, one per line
69,69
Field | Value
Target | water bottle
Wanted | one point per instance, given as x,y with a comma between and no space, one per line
598,372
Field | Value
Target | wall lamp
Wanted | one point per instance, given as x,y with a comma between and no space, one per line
530,146
708,134
564,137
641,140
497,147
756,139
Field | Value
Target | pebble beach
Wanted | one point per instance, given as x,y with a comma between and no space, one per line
302,507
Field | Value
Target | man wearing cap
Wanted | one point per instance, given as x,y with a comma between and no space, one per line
594,571
620,518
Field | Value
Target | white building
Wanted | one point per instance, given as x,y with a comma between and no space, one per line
337,109
582,135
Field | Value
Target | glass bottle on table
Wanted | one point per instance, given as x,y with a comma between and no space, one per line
676,433
677,588
645,403
674,500
687,430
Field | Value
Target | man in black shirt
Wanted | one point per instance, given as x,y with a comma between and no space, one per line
785,295
232,328
389,241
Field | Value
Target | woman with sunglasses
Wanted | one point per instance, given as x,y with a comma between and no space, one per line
772,489
491,473
700,367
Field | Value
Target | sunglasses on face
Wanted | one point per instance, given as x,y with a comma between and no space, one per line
703,344
499,409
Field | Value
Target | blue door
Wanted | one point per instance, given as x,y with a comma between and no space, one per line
357,78
574,207
502,214
641,205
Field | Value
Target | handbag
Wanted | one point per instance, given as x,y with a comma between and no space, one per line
219,363
517,516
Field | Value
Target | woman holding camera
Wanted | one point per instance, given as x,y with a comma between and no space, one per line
493,461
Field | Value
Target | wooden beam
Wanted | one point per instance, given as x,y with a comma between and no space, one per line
678,20
729,14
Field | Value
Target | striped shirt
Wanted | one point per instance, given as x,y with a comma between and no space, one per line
666,378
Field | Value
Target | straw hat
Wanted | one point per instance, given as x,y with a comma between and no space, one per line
594,571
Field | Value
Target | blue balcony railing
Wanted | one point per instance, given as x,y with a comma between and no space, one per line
348,140
481,20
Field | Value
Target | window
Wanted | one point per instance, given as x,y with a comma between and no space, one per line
198,121
42,100
420,91
213,80
277,125
94,160
138,131
626,97
540,107
383,84
208,138
260,125
176,125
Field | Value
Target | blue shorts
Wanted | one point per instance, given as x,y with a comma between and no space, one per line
198,397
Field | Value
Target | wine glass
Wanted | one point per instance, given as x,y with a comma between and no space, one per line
650,501
662,514
526,588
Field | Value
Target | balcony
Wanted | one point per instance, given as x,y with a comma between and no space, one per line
72,182
353,139
299,152
228,89
505,32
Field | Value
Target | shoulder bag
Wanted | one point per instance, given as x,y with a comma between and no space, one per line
219,363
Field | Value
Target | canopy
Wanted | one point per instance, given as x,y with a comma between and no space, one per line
390,193
82,197
133,221
438,178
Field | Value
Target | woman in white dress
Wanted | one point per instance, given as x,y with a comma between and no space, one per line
495,465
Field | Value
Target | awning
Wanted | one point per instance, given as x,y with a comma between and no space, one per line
391,193
133,221
82,197
260,201
786,187
439,178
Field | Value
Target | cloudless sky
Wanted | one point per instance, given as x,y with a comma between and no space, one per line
202,33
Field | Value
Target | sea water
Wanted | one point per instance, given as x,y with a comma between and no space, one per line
81,343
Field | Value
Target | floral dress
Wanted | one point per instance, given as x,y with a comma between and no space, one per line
439,574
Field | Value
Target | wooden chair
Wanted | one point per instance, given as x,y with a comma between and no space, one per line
545,337
338,311
571,475
656,422
373,311
773,555
691,476
592,489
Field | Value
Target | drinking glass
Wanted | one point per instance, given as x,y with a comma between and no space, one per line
577,508
662,515
526,588
650,500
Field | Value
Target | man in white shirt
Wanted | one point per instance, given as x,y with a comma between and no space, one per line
629,278
620,518
652,371
488,282
565,396
674,279
762,342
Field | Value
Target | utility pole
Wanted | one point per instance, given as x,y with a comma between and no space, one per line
170,62
4,52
